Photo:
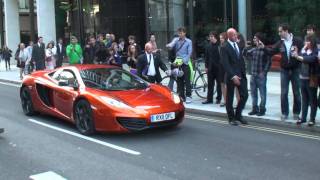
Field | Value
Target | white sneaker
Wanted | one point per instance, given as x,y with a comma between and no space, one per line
188,100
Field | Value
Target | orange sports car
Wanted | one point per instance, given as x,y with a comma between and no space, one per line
100,98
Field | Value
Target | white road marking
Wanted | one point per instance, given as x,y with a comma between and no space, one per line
10,84
47,176
278,131
132,152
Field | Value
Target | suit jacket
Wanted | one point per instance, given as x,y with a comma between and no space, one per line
38,56
285,62
61,52
143,62
212,57
232,64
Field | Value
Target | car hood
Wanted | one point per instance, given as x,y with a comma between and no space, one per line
147,98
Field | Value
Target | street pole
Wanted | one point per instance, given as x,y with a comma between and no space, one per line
31,15
80,19
1,24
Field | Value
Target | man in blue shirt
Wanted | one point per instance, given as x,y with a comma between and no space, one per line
183,50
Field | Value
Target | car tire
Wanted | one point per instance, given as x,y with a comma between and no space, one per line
83,117
26,102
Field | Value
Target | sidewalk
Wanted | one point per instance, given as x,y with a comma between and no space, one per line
273,106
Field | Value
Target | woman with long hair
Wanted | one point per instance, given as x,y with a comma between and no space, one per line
50,59
308,78
132,58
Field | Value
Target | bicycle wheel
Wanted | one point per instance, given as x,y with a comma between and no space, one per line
201,85
170,82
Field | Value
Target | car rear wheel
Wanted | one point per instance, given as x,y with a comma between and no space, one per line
83,117
26,102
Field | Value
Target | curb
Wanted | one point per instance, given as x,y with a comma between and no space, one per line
266,121
10,81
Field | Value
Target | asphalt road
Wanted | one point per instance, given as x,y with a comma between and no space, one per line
200,148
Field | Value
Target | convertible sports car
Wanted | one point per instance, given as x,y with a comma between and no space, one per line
100,98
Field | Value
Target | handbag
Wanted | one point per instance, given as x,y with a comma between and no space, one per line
313,81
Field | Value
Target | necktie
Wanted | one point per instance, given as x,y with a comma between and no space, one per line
235,48
149,58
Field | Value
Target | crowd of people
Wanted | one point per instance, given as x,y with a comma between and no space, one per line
226,56
299,64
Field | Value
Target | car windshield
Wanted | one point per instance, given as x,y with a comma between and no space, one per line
111,79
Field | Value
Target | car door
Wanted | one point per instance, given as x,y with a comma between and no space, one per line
66,92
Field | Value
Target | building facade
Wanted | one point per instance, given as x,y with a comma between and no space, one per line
52,19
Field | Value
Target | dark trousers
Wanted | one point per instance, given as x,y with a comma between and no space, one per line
286,77
7,62
213,75
243,91
59,62
184,84
151,79
309,97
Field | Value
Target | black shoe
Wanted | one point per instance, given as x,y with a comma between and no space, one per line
299,122
233,123
207,102
311,123
261,113
253,112
1,130
218,101
243,122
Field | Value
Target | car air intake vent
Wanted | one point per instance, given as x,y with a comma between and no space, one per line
133,124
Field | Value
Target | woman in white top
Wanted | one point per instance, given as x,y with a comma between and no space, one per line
50,59
23,57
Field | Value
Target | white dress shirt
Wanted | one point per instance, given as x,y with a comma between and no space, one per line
152,69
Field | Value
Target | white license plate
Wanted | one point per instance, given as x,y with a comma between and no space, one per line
163,117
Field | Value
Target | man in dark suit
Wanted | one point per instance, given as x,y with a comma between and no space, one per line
148,65
212,64
61,52
234,65
38,54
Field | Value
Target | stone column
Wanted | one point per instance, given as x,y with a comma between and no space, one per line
46,20
242,14
12,26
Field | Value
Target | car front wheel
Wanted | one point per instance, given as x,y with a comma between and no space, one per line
83,117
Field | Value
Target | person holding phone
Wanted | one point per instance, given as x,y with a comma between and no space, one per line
289,72
260,58
308,78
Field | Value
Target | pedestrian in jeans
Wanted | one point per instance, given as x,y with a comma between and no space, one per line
308,78
23,57
290,69
183,49
260,65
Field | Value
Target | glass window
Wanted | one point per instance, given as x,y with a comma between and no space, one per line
111,79
66,76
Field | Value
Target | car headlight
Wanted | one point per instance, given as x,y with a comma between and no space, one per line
114,102
176,99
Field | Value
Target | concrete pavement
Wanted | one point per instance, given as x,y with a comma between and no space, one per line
273,105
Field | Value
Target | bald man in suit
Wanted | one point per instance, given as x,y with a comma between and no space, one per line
234,65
